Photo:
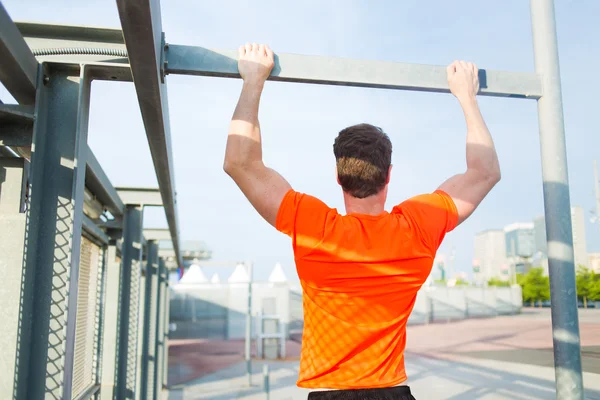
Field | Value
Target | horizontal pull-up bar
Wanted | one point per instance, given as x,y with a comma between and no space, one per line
193,60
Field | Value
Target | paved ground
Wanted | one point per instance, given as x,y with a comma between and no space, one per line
499,358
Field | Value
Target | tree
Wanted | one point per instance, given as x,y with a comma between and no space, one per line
584,281
536,286
498,282
588,285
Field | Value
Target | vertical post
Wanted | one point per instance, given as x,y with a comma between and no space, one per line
53,237
160,323
249,327
110,321
557,205
266,382
128,318
149,330
14,174
139,328
165,336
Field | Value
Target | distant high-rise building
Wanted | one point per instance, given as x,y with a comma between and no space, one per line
594,262
579,239
490,256
438,271
539,227
520,239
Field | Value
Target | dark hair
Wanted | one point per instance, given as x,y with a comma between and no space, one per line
363,155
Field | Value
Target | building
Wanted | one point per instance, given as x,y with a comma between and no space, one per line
579,238
539,227
490,256
520,239
438,270
594,262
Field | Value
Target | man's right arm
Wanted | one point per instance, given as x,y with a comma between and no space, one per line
467,190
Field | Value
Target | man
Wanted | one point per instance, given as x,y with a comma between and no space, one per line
360,272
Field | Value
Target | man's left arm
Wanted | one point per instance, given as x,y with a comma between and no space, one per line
264,187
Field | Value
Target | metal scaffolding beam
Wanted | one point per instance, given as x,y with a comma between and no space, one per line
192,60
18,66
142,31
140,196
99,184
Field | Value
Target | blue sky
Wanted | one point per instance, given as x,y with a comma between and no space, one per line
300,122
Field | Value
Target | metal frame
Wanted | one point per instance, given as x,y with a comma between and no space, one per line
128,309
149,328
19,67
557,205
149,197
191,60
142,31
54,232
150,62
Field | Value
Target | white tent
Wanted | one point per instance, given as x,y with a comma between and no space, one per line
277,275
193,275
215,278
239,275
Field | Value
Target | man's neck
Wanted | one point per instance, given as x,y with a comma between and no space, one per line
372,205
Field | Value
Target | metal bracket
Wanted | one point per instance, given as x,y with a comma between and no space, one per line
164,63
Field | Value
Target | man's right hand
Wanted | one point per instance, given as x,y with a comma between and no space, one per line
255,62
463,80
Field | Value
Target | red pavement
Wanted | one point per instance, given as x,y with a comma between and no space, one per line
192,359
501,333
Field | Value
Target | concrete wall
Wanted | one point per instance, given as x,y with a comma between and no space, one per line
219,310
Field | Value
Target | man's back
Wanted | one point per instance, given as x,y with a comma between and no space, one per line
360,272
360,275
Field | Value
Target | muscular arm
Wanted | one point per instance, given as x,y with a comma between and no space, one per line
483,169
263,187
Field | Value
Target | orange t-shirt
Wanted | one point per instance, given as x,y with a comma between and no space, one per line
360,275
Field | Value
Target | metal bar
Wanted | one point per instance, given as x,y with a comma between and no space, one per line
166,332
88,394
16,134
12,244
148,359
81,146
142,31
53,239
99,184
130,278
157,234
140,196
139,328
70,32
92,229
110,323
159,342
557,205
19,68
15,113
193,60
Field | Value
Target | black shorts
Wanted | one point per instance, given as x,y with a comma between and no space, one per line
392,393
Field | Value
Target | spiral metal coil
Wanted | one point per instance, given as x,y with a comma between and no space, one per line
80,51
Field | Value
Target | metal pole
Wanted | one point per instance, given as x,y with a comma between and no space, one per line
249,327
109,328
266,380
128,313
557,205
148,341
